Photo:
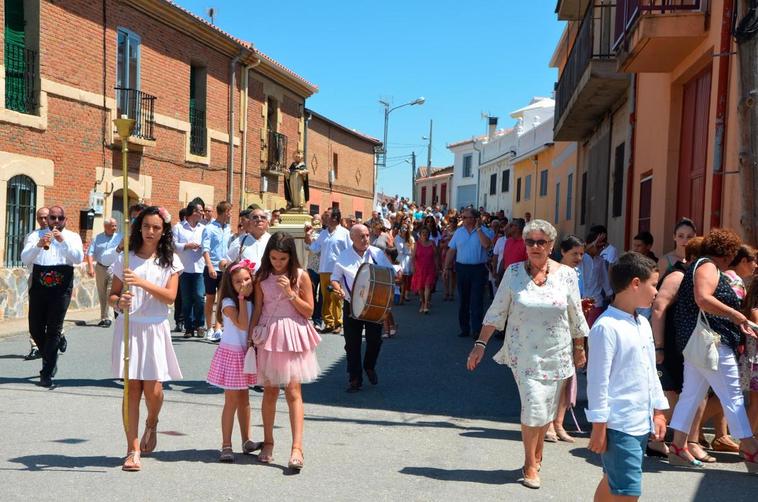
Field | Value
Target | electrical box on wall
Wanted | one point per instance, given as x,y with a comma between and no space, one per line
97,202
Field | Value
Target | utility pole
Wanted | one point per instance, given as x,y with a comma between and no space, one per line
413,175
429,147
747,51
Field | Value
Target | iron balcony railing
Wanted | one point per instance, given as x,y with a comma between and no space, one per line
628,11
277,151
139,106
20,78
593,42
198,131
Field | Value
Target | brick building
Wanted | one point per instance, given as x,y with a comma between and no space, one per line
340,166
215,118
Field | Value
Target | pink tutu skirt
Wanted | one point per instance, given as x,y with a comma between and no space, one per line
226,369
289,352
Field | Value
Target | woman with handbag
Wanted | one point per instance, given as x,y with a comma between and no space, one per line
544,337
709,327
285,340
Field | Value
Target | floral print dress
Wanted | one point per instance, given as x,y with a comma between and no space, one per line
541,322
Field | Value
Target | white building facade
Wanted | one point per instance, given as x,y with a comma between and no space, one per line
465,173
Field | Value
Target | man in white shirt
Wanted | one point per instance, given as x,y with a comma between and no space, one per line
188,243
42,214
251,244
342,279
52,253
594,272
331,241
100,244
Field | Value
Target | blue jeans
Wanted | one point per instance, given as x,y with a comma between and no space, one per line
193,300
318,298
471,281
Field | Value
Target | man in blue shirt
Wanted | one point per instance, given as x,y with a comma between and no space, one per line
104,242
215,241
468,250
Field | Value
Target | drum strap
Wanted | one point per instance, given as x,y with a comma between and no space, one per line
344,279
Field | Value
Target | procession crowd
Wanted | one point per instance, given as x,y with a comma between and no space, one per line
668,344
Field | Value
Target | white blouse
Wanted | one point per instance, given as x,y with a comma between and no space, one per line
541,321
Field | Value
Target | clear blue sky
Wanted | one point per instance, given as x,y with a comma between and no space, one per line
464,57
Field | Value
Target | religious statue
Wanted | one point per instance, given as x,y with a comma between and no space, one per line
296,184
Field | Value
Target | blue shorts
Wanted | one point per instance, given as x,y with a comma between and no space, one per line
211,285
622,462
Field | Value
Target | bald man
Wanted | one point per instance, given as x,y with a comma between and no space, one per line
342,279
104,242
52,252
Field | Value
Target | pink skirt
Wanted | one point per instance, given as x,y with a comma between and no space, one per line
226,369
282,368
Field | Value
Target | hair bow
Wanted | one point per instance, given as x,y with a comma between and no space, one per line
243,264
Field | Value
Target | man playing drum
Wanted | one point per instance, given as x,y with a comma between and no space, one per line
342,281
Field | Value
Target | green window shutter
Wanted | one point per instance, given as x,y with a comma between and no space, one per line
14,60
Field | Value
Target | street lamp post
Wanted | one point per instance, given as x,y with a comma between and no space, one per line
382,157
125,126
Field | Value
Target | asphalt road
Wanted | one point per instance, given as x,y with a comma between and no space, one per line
429,431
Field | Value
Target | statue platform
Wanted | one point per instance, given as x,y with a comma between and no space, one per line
293,222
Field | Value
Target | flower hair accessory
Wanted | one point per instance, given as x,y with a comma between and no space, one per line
242,264
164,214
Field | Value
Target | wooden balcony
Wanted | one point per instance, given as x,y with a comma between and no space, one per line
654,36
589,84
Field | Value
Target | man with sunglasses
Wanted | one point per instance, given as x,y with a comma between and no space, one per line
331,241
251,244
42,214
468,250
52,252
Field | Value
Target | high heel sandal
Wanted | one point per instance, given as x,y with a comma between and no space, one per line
706,458
296,463
676,457
132,462
751,461
266,458
149,438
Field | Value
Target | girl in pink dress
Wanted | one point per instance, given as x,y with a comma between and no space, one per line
153,278
284,338
227,365
424,268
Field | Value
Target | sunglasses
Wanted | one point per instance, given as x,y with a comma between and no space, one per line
56,218
257,218
539,242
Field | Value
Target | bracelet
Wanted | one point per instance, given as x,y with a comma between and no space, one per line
292,297
481,343
578,347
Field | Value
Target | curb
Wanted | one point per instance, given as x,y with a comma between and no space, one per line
20,326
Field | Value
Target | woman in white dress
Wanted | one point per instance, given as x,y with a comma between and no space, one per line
404,243
544,337
153,278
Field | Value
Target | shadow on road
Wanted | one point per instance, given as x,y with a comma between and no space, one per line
496,477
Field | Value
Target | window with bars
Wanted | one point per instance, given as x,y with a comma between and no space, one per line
20,205
21,37
198,129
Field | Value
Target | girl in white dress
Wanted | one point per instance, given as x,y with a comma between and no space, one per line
153,278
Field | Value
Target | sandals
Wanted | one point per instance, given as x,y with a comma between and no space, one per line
227,454
393,330
266,458
533,483
149,438
250,446
751,461
706,458
724,444
551,436
132,462
296,463
563,435
676,457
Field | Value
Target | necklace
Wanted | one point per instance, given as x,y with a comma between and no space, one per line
529,271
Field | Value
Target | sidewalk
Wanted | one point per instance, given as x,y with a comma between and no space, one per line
20,326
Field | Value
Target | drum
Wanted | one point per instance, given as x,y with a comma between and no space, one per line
371,297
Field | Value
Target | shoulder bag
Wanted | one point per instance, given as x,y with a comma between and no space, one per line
702,347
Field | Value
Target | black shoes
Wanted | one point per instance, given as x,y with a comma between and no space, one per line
33,354
179,327
188,333
354,386
62,344
45,381
372,377
105,323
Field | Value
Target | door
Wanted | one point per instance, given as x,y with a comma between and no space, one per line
693,148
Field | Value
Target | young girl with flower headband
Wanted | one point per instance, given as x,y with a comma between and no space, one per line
285,340
153,278
227,366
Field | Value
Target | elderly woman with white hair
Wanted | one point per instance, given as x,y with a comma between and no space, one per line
544,336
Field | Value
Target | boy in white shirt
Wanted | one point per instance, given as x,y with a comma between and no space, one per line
624,393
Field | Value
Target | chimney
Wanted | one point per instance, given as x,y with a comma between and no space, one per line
492,127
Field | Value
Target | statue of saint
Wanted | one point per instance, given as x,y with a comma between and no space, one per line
296,184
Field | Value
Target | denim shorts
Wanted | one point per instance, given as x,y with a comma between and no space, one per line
622,462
